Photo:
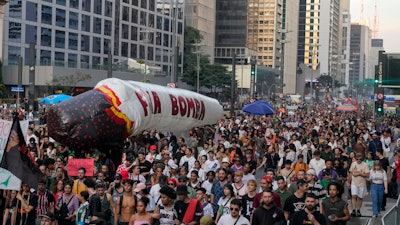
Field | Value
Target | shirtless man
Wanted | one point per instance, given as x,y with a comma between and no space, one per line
125,206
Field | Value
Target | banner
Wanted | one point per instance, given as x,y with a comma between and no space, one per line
75,164
17,158
116,109
8,181
5,128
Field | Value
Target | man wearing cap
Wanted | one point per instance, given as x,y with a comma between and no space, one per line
374,144
47,218
188,211
359,172
265,184
46,199
165,212
183,180
116,189
125,205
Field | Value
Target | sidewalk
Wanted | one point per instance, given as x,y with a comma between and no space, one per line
366,212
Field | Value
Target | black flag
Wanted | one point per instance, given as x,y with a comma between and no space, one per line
17,158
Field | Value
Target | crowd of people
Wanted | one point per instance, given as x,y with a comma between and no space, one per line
308,164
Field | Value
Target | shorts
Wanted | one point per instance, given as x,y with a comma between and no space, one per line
358,191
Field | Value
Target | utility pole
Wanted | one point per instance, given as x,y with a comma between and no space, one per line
20,66
109,62
32,59
233,85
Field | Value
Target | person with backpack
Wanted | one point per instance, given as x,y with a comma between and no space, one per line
67,206
189,211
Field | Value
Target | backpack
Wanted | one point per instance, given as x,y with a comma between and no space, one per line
63,212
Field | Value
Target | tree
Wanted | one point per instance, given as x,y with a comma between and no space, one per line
212,76
325,81
68,83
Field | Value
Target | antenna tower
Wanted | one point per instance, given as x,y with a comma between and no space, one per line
375,28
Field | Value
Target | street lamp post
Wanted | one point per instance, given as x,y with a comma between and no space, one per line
198,52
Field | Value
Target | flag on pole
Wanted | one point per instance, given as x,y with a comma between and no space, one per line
17,158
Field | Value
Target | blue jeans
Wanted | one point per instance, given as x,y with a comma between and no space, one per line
377,191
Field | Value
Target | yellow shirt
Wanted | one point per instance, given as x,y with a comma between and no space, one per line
76,190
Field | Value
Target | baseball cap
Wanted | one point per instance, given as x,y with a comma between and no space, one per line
124,175
139,187
267,178
153,147
312,172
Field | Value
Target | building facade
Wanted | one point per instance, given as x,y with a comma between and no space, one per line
360,43
200,14
78,34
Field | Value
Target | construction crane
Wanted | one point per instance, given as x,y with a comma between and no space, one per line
375,26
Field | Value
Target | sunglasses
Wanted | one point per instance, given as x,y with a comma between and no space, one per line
181,180
234,209
171,184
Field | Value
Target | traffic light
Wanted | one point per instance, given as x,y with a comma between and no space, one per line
253,69
379,107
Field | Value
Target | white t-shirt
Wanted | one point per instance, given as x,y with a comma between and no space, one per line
207,185
226,204
190,161
211,165
247,177
239,191
155,193
229,220
317,165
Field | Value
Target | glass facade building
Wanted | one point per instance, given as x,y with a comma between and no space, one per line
80,33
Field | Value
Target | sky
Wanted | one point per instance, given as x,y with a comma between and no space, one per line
389,20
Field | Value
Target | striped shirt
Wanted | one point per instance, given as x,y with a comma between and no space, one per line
44,201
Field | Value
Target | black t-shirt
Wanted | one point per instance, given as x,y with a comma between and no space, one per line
145,166
253,164
301,217
385,163
294,204
30,219
181,207
247,204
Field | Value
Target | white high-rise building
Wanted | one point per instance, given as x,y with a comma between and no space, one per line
71,35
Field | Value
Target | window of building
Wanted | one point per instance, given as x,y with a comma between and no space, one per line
45,58
166,40
45,37
60,17
85,43
107,27
31,14
72,60
96,60
13,55
134,33
158,38
150,53
134,16
108,9
73,20
85,61
124,49
143,18
97,25
125,31
47,14
166,24
60,39
151,20
135,2
59,58
86,4
98,7
133,51
125,13
14,33
106,45
15,8
159,22
61,2
30,34
74,4
85,24
143,4
73,41
96,45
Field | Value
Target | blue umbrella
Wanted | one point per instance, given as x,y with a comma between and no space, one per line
259,108
54,99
